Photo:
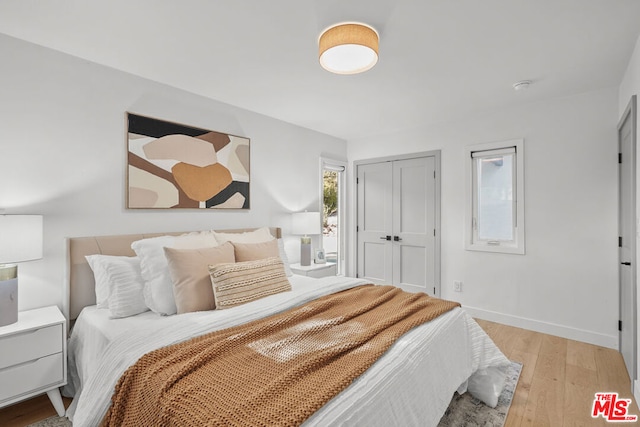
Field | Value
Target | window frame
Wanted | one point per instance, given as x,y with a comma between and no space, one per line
472,242
340,167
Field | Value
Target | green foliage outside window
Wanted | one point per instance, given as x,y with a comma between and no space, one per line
330,195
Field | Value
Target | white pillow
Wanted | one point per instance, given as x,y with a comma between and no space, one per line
158,288
125,287
256,236
98,264
284,258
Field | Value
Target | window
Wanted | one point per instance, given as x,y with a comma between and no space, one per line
332,201
495,197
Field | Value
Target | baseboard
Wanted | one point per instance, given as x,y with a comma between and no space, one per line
609,341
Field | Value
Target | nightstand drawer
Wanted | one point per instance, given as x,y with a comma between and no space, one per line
30,345
30,376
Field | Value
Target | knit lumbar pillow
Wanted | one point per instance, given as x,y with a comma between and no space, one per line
242,282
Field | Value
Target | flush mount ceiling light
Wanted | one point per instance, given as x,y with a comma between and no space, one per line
348,48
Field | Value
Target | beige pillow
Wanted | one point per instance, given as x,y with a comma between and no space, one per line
189,269
255,251
158,288
243,282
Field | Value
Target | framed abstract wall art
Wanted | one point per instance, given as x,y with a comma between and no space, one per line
172,166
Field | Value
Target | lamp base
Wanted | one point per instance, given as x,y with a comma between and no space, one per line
8,294
305,251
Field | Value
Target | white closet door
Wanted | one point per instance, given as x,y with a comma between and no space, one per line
375,222
397,208
414,193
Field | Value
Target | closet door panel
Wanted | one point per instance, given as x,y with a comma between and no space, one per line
374,266
397,220
375,222
412,273
414,224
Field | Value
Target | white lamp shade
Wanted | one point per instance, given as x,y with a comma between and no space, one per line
20,238
304,223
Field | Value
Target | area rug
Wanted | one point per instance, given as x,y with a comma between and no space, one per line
53,422
464,410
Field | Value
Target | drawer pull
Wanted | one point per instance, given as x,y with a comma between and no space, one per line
19,365
22,333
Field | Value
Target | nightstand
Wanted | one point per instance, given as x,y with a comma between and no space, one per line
33,355
314,270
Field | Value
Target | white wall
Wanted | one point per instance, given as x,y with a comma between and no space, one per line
64,153
566,284
630,86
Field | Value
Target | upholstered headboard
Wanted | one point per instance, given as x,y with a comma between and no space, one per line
78,275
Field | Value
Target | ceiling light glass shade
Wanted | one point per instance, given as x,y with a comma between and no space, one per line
348,48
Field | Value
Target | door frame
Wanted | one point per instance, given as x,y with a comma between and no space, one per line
436,154
630,113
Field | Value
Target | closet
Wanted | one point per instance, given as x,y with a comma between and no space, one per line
398,221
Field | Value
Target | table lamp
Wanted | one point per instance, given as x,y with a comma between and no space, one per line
20,240
305,223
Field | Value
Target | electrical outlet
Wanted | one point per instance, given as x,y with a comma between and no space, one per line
457,286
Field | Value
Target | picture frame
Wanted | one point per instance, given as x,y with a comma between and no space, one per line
320,257
176,166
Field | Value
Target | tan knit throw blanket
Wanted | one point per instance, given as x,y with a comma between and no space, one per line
275,371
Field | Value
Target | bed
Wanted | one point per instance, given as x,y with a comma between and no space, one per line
412,383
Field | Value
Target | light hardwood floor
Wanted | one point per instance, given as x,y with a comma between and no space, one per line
556,388
559,378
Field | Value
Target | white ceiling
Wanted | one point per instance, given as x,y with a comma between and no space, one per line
440,60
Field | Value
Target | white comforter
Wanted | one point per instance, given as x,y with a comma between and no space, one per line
412,384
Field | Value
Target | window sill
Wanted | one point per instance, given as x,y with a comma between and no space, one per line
503,249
